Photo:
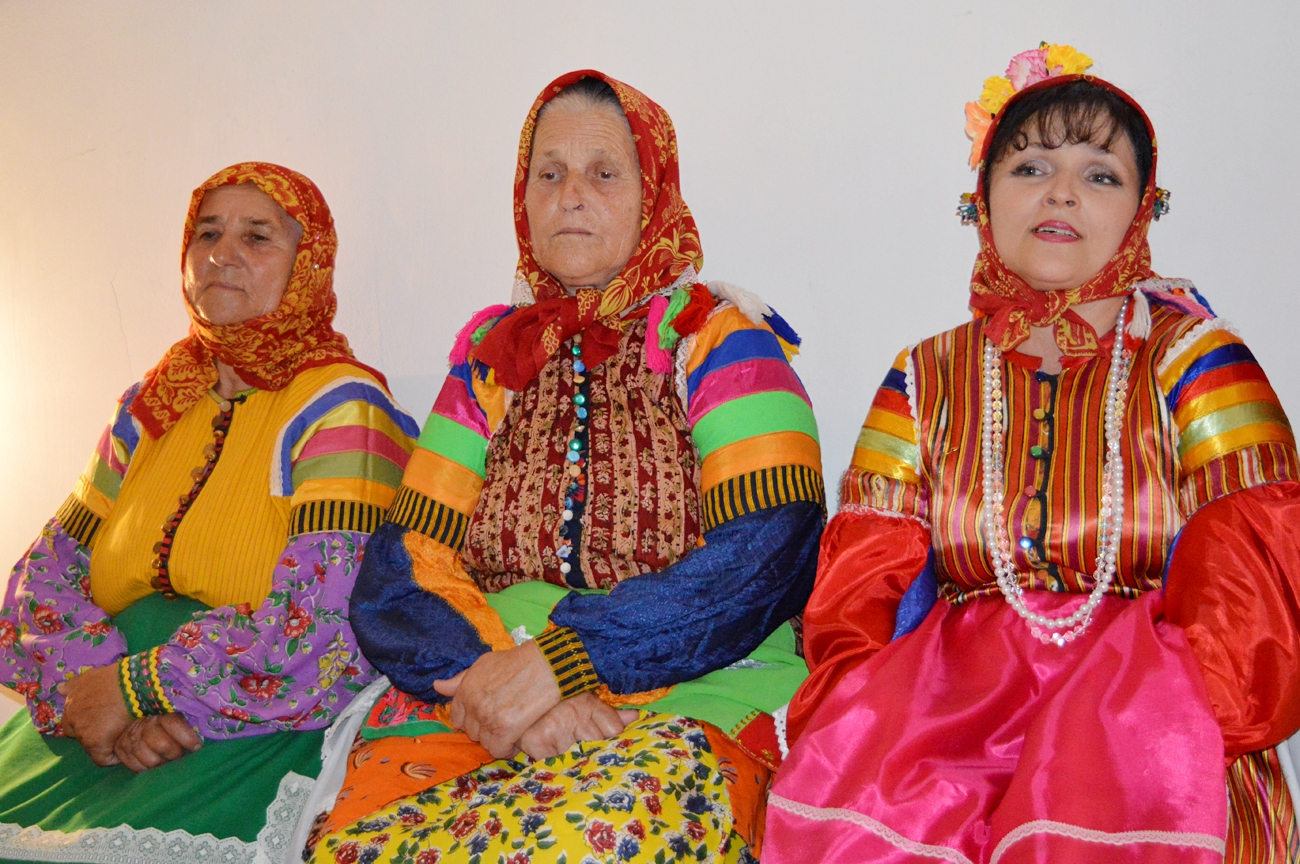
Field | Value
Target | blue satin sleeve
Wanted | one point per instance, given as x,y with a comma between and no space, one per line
411,635
706,611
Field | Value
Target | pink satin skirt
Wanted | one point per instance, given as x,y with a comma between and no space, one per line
968,740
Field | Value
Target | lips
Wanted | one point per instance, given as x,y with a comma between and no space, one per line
1054,230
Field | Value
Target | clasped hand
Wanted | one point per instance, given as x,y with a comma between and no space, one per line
96,717
508,701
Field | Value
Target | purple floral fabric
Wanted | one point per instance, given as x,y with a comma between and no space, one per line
49,628
290,663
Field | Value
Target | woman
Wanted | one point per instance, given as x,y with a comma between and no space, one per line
616,498
160,646
1033,468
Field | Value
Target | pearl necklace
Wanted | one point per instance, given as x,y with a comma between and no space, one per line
1110,521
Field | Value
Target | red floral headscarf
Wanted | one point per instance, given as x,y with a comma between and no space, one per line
1011,304
267,351
523,341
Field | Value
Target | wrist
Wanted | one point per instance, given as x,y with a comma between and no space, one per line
142,689
570,665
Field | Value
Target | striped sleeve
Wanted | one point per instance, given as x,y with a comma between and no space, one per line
340,459
440,488
751,420
97,487
1232,431
884,473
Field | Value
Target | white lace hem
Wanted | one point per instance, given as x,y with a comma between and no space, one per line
127,845
1042,826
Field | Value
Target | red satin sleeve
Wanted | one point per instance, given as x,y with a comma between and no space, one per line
866,564
1234,586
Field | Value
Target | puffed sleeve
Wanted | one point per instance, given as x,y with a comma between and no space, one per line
1233,577
50,628
871,554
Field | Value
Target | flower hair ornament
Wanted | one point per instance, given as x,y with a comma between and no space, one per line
1026,68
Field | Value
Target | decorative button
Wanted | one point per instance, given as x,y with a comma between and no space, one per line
575,445
1039,413
568,503
577,350
1036,452
156,583
574,470
582,413
1026,543
577,338
579,379
225,406
564,551
565,567
579,366
567,515
1030,492
580,400
1042,377
572,457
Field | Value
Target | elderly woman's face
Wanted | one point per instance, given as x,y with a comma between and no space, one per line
584,196
241,255
1060,214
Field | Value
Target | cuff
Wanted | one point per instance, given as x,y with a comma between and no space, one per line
142,689
569,661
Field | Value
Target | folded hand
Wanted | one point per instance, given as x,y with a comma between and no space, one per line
94,712
495,700
151,741
580,718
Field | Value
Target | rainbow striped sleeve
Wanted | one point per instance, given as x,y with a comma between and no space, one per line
886,458
751,420
1232,431
97,487
445,475
340,459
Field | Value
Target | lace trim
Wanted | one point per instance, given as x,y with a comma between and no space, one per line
1041,826
127,845
862,509
1173,352
780,719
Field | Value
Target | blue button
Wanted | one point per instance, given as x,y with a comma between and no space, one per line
582,413
579,366
571,456
1026,543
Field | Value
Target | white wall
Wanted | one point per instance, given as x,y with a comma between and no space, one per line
822,154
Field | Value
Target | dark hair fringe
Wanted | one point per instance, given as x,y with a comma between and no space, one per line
596,90
1073,113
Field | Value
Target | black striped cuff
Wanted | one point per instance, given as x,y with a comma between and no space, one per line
569,661
335,516
78,521
761,490
431,518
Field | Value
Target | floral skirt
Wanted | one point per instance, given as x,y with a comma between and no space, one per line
661,791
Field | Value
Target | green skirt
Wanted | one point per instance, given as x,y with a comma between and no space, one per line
222,803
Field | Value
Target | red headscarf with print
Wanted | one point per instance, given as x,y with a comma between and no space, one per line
267,351
518,346
1011,305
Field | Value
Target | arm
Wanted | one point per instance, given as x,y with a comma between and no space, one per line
50,629
292,661
1233,576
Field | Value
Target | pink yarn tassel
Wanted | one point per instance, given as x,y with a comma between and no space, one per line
460,348
657,359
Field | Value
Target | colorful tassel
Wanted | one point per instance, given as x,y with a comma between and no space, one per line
783,330
473,332
657,359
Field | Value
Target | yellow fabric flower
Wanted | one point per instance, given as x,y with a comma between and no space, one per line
1069,61
997,91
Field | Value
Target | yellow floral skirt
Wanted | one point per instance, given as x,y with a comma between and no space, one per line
661,791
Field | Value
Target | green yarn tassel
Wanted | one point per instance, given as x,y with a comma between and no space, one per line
667,335
477,336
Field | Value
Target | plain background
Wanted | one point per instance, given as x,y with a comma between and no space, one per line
822,153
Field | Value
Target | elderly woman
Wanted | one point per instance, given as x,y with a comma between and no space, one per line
1034,468
180,627
615,503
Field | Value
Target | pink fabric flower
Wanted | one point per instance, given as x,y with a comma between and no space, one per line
1027,67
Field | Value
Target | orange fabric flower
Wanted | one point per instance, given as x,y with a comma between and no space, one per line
269,350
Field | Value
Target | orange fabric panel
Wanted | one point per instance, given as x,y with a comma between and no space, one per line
437,477
754,454
436,568
1234,588
866,564
747,784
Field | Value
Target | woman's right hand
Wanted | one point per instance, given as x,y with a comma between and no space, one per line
151,741
579,718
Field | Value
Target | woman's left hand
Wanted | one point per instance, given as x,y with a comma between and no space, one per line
498,698
94,713
579,718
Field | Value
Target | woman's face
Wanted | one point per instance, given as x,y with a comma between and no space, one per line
1058,215
583,197
241,255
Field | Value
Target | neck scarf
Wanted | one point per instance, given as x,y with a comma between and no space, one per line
267,351
521,343
1012,306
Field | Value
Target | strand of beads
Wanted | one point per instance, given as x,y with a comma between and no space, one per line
1111,518
576,493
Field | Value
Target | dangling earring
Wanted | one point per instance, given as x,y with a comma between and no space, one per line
1161,206
966,209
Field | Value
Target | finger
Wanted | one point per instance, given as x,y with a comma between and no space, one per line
102,756
449,686
606,722
159,741
181,731
456,714
628,716
125,753
62,688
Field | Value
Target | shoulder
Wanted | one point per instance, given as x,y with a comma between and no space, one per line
342,387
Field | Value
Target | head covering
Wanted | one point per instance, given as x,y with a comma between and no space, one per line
521,343
267,351
1012,306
